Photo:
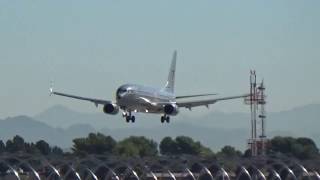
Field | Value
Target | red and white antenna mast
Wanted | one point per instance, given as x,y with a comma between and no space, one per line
257,102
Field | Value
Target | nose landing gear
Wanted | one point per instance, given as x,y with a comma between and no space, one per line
129,117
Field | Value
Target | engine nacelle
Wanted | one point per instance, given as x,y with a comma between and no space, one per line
171,109
111,109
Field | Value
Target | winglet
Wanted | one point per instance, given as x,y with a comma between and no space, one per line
51,88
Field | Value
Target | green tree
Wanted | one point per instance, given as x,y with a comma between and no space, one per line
282,144
127,149
302,148
183,145
15,145
206,152
43,147
229,152
31,148
168,146
57,151
310,148
137,146
2,147
94,144
187,145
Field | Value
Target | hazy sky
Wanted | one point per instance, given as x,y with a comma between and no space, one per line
91,47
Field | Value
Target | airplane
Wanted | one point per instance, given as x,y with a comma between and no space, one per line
143,99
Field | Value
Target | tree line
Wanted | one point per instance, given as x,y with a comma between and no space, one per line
301,148
139,146
17,145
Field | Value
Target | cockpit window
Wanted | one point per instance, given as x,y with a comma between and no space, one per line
121,91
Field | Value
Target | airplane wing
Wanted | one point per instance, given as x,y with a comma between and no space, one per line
197,95
191,104
95,101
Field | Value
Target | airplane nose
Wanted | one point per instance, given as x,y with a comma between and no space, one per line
120,95
121,92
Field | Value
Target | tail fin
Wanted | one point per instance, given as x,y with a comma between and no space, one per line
171,78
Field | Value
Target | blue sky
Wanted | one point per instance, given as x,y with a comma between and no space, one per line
91,47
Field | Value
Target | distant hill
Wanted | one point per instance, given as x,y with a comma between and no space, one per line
305,117
62,117
59,125
32,130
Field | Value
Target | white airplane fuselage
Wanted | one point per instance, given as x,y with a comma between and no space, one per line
138,98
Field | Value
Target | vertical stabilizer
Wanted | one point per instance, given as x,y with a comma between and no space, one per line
171,78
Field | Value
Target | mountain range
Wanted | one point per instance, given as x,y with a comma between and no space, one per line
58,125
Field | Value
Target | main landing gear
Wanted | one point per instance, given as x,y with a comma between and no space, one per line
165,118
129,117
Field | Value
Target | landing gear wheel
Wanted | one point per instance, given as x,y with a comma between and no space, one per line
165,119
128,119
168,119
162,119
133,119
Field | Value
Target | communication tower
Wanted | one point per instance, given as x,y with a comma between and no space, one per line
256,99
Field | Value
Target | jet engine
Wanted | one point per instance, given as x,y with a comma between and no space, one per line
171,109
111,109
